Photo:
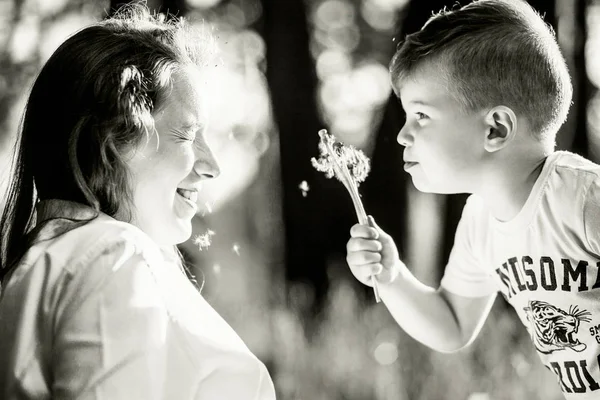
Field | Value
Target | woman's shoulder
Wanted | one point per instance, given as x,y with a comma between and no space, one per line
104,233
93,251
102,247
99,237
99,261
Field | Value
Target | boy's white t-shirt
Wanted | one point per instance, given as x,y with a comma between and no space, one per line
546,263
97,311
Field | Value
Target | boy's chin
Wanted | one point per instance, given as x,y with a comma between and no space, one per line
429,187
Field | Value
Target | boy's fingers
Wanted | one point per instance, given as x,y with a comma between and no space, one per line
364,273
387,275
364,231
376,269
361,258
358,244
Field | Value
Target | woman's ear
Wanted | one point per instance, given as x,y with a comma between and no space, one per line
501,126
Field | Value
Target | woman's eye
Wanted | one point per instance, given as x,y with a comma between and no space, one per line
187,137
420,116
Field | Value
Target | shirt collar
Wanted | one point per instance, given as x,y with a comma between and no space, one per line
76,214
67,215
55,209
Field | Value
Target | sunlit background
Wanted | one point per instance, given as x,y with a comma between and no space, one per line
270,234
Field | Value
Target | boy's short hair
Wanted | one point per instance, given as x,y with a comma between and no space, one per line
494,52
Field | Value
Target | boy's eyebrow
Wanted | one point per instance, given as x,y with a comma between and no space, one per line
419,103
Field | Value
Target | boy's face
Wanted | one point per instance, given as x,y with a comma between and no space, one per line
444,146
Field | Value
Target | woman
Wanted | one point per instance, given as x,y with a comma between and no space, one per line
95,300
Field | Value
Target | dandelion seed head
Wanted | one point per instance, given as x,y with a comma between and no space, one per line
333,151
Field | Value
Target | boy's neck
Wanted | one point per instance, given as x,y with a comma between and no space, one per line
510,182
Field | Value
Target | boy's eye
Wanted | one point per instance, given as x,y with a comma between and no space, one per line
420,116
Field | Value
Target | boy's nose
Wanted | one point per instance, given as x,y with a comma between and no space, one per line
404,136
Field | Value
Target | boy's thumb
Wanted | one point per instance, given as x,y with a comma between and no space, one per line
372,222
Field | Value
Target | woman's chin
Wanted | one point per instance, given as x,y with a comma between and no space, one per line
176,233
182,232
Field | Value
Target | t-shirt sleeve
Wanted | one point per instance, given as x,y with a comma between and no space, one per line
111,330
591,216
464,275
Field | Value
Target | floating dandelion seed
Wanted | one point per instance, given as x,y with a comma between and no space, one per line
303,186
351,167
236,249
207,209
203,241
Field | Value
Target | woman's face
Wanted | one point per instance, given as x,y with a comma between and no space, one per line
167,171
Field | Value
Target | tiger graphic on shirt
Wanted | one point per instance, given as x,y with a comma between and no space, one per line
553,329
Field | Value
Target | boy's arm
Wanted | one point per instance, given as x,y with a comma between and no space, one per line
446,319
440,319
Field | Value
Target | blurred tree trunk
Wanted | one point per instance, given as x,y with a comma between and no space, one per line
317,225
384,192
312,221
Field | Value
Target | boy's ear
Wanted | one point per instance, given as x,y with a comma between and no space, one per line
501,124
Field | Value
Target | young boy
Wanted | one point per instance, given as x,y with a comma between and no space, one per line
485,90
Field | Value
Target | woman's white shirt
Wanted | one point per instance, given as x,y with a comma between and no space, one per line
95,311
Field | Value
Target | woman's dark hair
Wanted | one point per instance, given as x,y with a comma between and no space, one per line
90,105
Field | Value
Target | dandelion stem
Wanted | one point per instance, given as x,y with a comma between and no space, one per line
360,213
344,175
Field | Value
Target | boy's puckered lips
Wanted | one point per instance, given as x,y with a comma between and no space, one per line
409,164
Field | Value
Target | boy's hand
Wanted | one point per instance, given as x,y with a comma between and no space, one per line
372,252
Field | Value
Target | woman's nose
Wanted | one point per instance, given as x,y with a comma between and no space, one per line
206,165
